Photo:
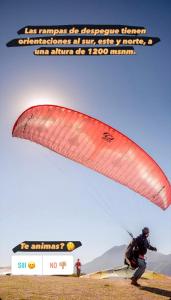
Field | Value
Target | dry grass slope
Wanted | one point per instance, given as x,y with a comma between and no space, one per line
70,288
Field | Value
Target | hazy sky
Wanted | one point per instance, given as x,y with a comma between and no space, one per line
47,197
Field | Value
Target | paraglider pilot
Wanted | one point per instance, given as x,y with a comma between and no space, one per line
141,244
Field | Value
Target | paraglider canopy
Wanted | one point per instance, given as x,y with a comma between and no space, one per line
95,145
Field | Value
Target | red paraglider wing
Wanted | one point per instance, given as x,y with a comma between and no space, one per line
96,145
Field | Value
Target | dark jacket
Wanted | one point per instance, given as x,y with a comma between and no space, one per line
141,244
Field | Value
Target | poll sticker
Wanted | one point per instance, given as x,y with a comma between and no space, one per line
58,265
27,265
42,265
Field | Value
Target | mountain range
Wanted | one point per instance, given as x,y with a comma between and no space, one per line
114,257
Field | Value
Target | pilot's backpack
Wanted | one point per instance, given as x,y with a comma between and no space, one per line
130,255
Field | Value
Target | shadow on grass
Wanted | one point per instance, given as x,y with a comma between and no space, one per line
156,291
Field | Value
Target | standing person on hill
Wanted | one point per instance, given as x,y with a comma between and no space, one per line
78,267
141,244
